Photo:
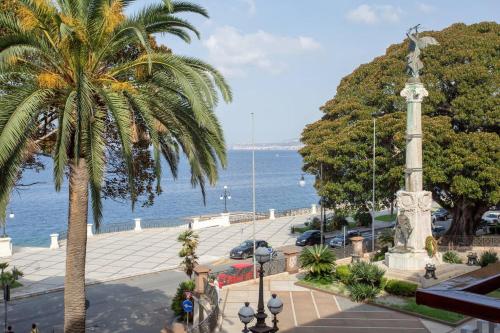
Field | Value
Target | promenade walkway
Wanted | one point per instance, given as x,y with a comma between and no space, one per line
124,254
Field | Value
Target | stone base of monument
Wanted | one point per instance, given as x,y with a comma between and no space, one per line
409,260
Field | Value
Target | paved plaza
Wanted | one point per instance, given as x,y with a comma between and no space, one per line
308,311
118,255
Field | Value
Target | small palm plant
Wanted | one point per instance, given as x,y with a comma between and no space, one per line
319,261
189,241
9,278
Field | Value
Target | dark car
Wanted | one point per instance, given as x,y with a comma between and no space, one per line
438,230
245,249
310,237
338,241
440,215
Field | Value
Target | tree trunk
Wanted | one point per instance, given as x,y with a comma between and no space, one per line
392,207
74,281
466,219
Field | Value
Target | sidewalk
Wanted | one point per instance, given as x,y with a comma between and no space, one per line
124,254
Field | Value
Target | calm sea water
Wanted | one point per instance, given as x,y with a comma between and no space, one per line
40,210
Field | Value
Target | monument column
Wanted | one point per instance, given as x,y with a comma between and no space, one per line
414,214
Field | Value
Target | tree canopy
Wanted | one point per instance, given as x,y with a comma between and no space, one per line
461,143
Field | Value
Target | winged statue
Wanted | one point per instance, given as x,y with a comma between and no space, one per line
417,43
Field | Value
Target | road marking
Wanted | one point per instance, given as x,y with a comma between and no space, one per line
293,309
337,303
315,306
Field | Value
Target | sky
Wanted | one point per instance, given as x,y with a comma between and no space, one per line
284,58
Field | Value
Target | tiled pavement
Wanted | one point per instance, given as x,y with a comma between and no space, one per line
123,254
307,311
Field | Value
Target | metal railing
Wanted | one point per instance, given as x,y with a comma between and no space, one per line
466,243
209,323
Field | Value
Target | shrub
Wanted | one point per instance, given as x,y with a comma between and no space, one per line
343,273
319,261
451,257
488,257
366,273
386,237
179,297
315,223
360,292
380,254
400,288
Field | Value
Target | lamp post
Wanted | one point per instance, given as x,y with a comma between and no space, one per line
225,196
275,305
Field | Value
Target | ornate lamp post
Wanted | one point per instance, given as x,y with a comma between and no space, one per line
275,305
225,196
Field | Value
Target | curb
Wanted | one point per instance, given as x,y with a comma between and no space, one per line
91,283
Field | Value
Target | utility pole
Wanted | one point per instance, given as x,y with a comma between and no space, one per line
373,188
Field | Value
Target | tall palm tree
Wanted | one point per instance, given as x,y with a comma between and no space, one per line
72,71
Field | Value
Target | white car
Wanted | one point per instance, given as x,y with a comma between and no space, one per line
491,217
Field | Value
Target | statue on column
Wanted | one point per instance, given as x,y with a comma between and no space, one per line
417,43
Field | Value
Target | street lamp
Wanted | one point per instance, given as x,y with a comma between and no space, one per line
225,196
275,305
246,315
302,181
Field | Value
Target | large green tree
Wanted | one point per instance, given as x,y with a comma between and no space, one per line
461,115
78,76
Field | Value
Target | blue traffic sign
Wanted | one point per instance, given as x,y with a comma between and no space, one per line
187,305
270,250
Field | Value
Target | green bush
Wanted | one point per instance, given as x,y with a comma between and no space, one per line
179,297
343,273
360,292
488,257
319,260
380,254
400,288
451,257
366,273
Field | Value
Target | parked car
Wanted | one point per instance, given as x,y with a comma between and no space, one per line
236,273
245,249
440,215
338,241
438,230
491,218
310,237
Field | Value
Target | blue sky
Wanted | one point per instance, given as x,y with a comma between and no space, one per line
285,58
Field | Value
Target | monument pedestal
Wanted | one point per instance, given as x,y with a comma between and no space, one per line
408,261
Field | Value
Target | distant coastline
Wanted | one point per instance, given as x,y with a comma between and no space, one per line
293,145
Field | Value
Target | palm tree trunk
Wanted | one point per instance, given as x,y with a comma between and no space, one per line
74,281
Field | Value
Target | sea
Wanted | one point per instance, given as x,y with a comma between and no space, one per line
39,210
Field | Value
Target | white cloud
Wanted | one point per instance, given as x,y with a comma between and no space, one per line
373,14
425,8
252,8
234,53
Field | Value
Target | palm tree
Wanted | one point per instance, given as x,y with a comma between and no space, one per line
319,260
189,241
73,71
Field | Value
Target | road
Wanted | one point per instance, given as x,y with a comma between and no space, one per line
138,304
